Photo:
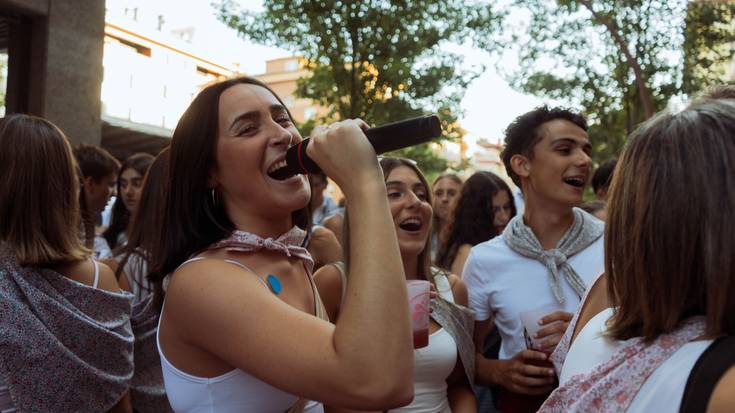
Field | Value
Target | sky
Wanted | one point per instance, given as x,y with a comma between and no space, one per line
489,104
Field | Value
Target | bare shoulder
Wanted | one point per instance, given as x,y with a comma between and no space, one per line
459,289
107,280
464,249
595,302
328,280
333,221
207,277
328,274
453,279
460,258
723,397
119,274
206,292
320,232
83,272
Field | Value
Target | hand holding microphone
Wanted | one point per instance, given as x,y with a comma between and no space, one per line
385,138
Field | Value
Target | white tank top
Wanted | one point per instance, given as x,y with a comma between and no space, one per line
433,364
664,388
233,392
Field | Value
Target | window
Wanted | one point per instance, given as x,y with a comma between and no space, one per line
291,65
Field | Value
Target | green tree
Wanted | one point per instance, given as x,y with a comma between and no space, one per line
619,61
377,60
709,43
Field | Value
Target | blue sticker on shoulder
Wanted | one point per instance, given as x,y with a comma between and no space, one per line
274,283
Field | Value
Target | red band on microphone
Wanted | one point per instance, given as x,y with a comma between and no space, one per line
298,153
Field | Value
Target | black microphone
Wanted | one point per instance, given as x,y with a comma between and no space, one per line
385,138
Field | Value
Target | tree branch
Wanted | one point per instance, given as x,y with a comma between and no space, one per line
640,80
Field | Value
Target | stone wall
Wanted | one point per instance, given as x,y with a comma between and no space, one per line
65,65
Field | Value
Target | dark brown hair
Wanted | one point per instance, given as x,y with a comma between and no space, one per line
39,187
120,217
523,133
670,231
192,220
473,217
388,164
97,163
150,212
602,175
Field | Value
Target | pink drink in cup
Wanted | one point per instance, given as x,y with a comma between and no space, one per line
418,307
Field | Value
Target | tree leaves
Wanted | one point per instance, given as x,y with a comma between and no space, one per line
378,60
568,53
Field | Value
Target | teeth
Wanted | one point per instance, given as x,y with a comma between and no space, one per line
276,166
412,221
577,181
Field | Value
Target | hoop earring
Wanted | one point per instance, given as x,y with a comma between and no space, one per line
214,197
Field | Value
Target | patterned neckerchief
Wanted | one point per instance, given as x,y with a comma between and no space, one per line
290,244
612,385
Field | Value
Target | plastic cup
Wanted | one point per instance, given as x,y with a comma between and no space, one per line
530,320
418,307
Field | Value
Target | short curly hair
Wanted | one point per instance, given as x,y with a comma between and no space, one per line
523,133
95,161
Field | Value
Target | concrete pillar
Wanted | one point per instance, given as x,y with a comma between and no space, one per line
73,69
64,40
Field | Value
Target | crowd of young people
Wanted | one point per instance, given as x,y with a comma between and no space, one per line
209,297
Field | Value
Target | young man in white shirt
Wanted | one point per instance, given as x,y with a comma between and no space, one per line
546,257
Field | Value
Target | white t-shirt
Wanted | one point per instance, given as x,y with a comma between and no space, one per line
503,283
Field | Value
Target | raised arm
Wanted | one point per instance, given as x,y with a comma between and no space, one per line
374,315
366,360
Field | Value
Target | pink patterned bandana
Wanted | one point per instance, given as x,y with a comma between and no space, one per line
289,244
612,386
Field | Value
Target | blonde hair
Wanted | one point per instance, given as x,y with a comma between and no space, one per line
39,186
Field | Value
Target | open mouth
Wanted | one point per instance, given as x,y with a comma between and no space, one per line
411,224
575,181
277,170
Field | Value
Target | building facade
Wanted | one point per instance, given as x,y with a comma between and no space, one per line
282,76
151,75
115,76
